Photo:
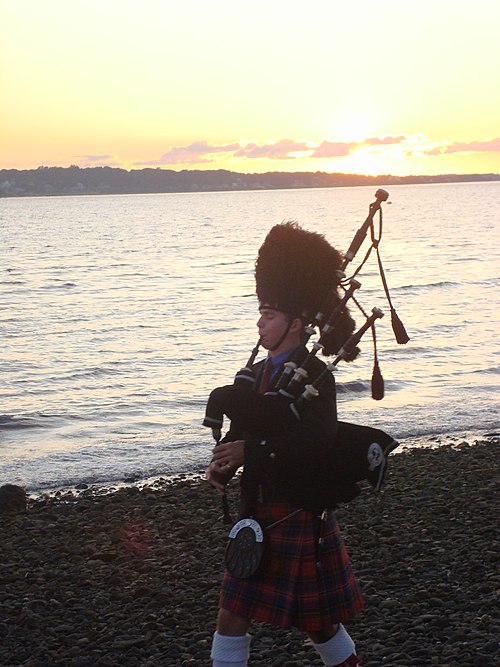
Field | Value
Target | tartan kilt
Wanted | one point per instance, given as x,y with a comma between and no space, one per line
289,590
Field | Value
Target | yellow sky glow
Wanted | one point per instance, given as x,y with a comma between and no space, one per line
375,88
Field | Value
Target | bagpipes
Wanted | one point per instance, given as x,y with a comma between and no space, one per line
355,453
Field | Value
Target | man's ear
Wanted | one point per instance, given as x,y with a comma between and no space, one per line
297,325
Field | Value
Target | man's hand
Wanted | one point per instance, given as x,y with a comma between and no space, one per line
214,478
229,455
227,458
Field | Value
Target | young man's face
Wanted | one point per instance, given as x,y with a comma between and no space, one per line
273,325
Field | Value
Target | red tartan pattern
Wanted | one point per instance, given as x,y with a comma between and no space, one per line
290,591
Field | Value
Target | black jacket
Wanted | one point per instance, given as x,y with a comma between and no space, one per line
286,458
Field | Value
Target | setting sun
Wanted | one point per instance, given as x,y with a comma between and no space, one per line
353,126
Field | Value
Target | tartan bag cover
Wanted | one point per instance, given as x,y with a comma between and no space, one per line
290,591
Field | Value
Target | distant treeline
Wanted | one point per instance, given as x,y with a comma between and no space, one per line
110,180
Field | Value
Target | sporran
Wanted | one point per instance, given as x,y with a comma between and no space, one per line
245,548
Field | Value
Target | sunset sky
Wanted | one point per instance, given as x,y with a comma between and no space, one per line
360,87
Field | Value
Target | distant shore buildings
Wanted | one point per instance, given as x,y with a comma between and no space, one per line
52,181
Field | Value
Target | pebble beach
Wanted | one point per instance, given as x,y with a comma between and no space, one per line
129,576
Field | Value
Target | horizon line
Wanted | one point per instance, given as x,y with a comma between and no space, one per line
251,173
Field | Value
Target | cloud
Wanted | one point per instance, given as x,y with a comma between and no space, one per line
195,153
385,141
279,150
99,160
201,152
204,153
95,158
335,149
472,147
342,149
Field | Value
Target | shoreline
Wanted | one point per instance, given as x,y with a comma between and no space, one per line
96,181
428,441
131,577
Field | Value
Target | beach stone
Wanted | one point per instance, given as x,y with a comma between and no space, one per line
12,499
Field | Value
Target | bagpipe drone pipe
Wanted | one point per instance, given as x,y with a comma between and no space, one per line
283,418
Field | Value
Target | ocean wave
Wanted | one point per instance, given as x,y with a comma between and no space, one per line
62,285
364,386
104,468
233,262
353,387
97,371
445,284
494,370
424,286
13,422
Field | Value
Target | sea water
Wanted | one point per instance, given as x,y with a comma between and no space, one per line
119,314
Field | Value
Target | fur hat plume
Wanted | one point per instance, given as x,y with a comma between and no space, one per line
296,272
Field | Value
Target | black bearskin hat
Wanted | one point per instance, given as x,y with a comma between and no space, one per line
296,272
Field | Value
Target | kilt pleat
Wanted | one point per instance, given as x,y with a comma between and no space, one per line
290,590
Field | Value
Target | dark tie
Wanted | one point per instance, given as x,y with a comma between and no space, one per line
265,378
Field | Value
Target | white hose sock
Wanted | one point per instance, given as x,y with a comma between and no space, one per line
337,649
230,651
